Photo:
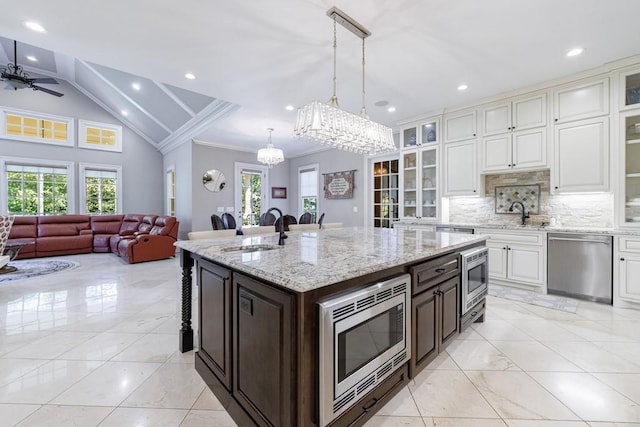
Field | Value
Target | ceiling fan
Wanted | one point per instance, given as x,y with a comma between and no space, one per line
17,78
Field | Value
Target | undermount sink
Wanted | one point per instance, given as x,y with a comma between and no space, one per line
251,248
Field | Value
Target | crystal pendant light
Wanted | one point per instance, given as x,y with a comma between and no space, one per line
270,155
328,124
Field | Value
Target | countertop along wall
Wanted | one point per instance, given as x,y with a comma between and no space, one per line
576,210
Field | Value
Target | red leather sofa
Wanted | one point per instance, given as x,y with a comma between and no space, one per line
148,237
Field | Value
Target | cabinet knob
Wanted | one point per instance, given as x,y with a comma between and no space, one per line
555,120
508,248
513,165
504,248
513,128
474,191
621,259
474,134
556,187
509,165
509,128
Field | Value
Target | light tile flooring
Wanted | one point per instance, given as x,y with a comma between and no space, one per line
98,346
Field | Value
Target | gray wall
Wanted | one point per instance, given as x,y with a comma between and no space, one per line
180,160
142,172
340,210
204,202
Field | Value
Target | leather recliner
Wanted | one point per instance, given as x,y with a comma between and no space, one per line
153,243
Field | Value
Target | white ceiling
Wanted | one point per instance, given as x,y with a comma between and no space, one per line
262,56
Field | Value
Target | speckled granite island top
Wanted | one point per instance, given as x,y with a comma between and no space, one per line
311,260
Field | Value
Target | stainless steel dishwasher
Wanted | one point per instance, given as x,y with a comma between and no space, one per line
580,266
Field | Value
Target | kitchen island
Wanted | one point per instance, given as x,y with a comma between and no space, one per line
258,314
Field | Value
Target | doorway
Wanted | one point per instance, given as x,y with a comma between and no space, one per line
251,197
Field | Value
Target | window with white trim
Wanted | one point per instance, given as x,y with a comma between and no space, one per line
31,126
308,190
37,187
99,136
101,189
171,192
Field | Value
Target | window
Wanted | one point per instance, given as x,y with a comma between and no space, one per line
308,193
101,189
99,136
171,192
37,187
36,127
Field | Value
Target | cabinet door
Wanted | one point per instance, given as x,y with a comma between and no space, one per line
461,175
429,183
496,153
214,284
496,119
525,264
581,160
262,352
450,312
460,127
409,180
529,148
581,102
497,260
529,112
424,329
629,287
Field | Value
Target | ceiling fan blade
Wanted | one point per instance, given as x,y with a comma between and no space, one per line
45,90
45,80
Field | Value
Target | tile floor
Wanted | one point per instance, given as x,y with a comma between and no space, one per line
98,346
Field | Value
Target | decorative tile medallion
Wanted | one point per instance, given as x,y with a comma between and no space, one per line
528,195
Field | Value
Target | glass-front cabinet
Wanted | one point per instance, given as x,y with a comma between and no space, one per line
630,163
420,134
630,89
419,180
385,193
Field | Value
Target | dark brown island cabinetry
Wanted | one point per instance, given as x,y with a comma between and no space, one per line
259,346
435,308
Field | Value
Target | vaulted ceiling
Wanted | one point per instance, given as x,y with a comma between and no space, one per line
251,59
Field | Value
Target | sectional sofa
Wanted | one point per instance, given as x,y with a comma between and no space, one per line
134,237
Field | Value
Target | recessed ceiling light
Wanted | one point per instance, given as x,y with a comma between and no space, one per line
289,108
32,58
124,113
463,87
575,51
136,86
381,103
428,125
190,76
34,26
391,109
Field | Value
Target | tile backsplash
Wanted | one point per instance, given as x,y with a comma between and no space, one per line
570,210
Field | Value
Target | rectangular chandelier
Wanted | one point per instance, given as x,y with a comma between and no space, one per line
327,124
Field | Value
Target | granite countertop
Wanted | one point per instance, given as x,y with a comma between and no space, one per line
534,227
311,260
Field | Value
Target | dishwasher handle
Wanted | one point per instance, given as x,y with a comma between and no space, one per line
570,239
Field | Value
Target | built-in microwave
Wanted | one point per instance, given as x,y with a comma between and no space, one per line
363,338
474,277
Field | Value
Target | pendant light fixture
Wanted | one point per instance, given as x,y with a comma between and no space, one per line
270,155
328,124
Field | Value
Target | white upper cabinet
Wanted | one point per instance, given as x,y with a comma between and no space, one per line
581,156
459,127
518,114
581,101
629,88
426,132
460,169
518,150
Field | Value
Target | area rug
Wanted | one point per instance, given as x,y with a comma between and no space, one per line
36,267
549,301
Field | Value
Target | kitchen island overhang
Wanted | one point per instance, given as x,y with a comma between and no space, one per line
253,274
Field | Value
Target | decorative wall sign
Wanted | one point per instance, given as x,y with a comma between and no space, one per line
278,192
338,185
528,195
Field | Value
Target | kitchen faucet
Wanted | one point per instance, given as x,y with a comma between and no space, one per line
525,215
281,219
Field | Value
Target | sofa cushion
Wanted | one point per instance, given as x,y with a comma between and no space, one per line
106,224
147,223
62,225
24,227
130,222
64,243
163,225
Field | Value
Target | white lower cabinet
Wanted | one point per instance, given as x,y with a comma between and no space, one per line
517,258
627,270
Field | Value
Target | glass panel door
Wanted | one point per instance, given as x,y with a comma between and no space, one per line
409,184
385,193
632,169
429,183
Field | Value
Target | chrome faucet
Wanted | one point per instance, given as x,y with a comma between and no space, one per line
282,235
525,215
